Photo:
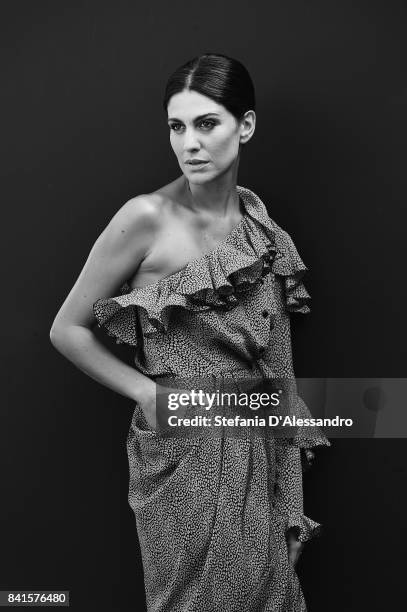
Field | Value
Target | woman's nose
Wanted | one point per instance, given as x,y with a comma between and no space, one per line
190,140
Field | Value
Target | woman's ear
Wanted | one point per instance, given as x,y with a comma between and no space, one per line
248,126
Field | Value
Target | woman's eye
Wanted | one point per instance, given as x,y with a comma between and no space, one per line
208,123
174,125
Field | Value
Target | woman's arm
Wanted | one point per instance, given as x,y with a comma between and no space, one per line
289,494
288,499
113,259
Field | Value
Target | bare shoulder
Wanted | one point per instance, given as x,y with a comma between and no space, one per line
141,219
139,214
114,258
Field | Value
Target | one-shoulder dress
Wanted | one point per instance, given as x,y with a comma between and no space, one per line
212,513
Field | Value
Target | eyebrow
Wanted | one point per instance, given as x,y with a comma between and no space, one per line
196,118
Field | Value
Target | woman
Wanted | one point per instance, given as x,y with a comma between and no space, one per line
203,281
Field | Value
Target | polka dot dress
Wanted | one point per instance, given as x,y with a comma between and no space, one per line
212,511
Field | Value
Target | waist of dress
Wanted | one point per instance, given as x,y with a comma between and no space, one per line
251,370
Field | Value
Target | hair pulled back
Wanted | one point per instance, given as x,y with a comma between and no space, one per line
219,77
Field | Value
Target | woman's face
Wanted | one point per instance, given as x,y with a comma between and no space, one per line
200,128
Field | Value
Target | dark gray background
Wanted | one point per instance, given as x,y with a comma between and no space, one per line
83,131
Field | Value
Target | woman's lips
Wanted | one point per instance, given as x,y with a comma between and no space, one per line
197,165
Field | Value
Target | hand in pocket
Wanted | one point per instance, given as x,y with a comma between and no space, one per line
294,547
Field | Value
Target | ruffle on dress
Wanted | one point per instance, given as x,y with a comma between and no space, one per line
305,529
305,437
288,263
256,246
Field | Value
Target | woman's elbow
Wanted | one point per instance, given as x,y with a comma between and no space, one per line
56,335
63,335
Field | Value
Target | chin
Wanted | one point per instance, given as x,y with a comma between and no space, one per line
200,178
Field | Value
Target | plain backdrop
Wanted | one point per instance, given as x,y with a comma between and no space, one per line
83,130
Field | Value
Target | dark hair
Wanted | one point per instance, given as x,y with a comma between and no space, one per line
218,77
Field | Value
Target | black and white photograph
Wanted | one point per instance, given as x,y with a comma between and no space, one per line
204,256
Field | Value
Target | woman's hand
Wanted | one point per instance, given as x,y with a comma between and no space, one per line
154,399
295,548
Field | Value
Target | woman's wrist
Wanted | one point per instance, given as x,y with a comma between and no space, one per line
144,390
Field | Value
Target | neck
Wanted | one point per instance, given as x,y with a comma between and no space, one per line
218,198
